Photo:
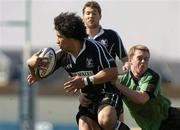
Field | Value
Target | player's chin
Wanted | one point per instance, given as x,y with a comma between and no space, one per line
61,47
142,71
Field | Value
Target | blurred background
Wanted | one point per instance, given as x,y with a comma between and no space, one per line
27,26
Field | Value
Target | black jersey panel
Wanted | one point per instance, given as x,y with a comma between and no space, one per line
112,41
102,58
92,59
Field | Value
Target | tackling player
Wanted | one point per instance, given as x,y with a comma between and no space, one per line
141,89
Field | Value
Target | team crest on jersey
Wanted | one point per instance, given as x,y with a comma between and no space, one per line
89,63
68,66
104,42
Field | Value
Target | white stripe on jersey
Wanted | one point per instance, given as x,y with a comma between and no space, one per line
98,46
110,50
104,53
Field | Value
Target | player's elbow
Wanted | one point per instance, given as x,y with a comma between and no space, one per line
142,100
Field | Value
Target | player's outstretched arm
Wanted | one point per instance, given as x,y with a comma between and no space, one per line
32,63
105,75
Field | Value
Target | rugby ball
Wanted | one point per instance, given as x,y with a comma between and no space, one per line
50,54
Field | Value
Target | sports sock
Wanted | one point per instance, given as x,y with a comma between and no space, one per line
118,123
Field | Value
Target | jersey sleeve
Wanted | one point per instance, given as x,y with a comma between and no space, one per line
151,85
119,47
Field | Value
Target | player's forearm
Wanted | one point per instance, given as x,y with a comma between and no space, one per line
105,75
135,96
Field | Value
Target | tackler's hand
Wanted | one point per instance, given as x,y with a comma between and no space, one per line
125,67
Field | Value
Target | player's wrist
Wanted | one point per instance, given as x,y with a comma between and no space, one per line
91,78
88,80
85,81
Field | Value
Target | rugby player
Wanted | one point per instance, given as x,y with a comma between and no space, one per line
91,68
141,88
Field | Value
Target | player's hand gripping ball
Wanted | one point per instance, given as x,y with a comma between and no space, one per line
50,54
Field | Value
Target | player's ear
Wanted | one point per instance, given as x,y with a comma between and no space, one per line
129,60
100,16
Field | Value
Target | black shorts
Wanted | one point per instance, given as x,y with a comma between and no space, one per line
173,120
113,99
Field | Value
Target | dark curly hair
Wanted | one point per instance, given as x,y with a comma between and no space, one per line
70,25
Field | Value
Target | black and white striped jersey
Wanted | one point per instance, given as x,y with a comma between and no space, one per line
112,42
92,58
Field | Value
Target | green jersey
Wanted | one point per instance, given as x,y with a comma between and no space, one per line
149,115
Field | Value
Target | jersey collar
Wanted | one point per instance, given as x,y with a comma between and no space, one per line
83,48
101,31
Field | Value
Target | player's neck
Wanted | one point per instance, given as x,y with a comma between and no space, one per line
76,48
136,75
92,31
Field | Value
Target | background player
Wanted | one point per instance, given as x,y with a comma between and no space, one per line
108,37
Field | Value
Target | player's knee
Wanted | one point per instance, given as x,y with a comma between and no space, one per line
107,117
106,122
83,121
